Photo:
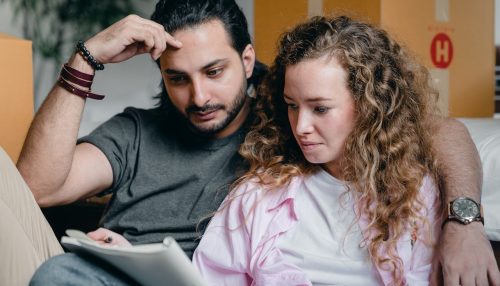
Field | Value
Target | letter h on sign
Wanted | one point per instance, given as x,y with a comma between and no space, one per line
441,51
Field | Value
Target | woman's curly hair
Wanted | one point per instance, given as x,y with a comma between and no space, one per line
388,153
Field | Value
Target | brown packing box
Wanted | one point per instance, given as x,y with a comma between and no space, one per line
453,39
16,93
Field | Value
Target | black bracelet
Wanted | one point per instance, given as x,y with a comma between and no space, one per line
80,47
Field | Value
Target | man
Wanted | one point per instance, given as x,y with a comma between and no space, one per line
169,167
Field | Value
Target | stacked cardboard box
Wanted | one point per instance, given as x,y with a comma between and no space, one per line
16,93
453,39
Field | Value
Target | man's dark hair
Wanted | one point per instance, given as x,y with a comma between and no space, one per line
176,15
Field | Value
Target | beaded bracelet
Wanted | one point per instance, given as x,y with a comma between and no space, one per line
80,47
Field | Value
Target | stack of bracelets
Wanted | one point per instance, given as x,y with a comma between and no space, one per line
70,76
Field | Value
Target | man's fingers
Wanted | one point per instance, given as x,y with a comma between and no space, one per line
162,38
494,275
128,37
99,234
108,237
467,279
167,38
171,41
451,279
154,40
482,279
160,43
149,40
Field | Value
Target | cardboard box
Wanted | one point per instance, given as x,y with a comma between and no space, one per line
453,39
272,18
16,93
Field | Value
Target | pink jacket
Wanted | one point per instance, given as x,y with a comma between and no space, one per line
238,247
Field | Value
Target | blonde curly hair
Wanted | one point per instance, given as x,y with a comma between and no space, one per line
388,153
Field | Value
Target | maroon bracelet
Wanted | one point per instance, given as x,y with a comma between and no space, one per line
73,79
77,73
76,91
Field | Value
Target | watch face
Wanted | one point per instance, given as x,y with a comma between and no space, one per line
465,208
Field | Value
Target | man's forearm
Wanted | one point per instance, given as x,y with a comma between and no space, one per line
48,150
458,160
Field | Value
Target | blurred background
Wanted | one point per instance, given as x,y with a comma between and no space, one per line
455,39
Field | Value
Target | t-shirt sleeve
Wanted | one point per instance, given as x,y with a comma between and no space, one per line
118,139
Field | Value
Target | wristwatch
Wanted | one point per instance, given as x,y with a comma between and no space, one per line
464,210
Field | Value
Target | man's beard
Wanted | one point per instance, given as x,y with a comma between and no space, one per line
233,110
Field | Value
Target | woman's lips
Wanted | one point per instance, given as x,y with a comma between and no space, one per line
309,146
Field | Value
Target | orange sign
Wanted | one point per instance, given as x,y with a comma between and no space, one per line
441,51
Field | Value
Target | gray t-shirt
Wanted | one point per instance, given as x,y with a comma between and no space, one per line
165,178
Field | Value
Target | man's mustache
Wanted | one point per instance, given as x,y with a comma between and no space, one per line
204,108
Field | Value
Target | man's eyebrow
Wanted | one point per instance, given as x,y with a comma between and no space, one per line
207,66
174,72
215,62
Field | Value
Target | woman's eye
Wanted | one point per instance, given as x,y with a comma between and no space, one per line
292,106
321,109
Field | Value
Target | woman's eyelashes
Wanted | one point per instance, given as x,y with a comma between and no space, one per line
292,106
320,109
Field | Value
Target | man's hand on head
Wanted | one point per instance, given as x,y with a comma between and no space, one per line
464,257
129,37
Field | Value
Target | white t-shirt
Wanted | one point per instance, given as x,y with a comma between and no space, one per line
326,240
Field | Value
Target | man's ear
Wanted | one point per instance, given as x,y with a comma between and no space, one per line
248,59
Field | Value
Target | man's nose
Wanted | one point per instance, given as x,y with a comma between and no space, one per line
199,94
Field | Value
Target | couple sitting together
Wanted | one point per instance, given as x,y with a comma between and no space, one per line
327,169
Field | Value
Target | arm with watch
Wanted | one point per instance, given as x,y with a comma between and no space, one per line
463,255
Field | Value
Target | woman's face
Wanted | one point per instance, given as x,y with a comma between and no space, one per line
320,110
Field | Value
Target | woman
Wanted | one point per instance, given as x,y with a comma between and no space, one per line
341,188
